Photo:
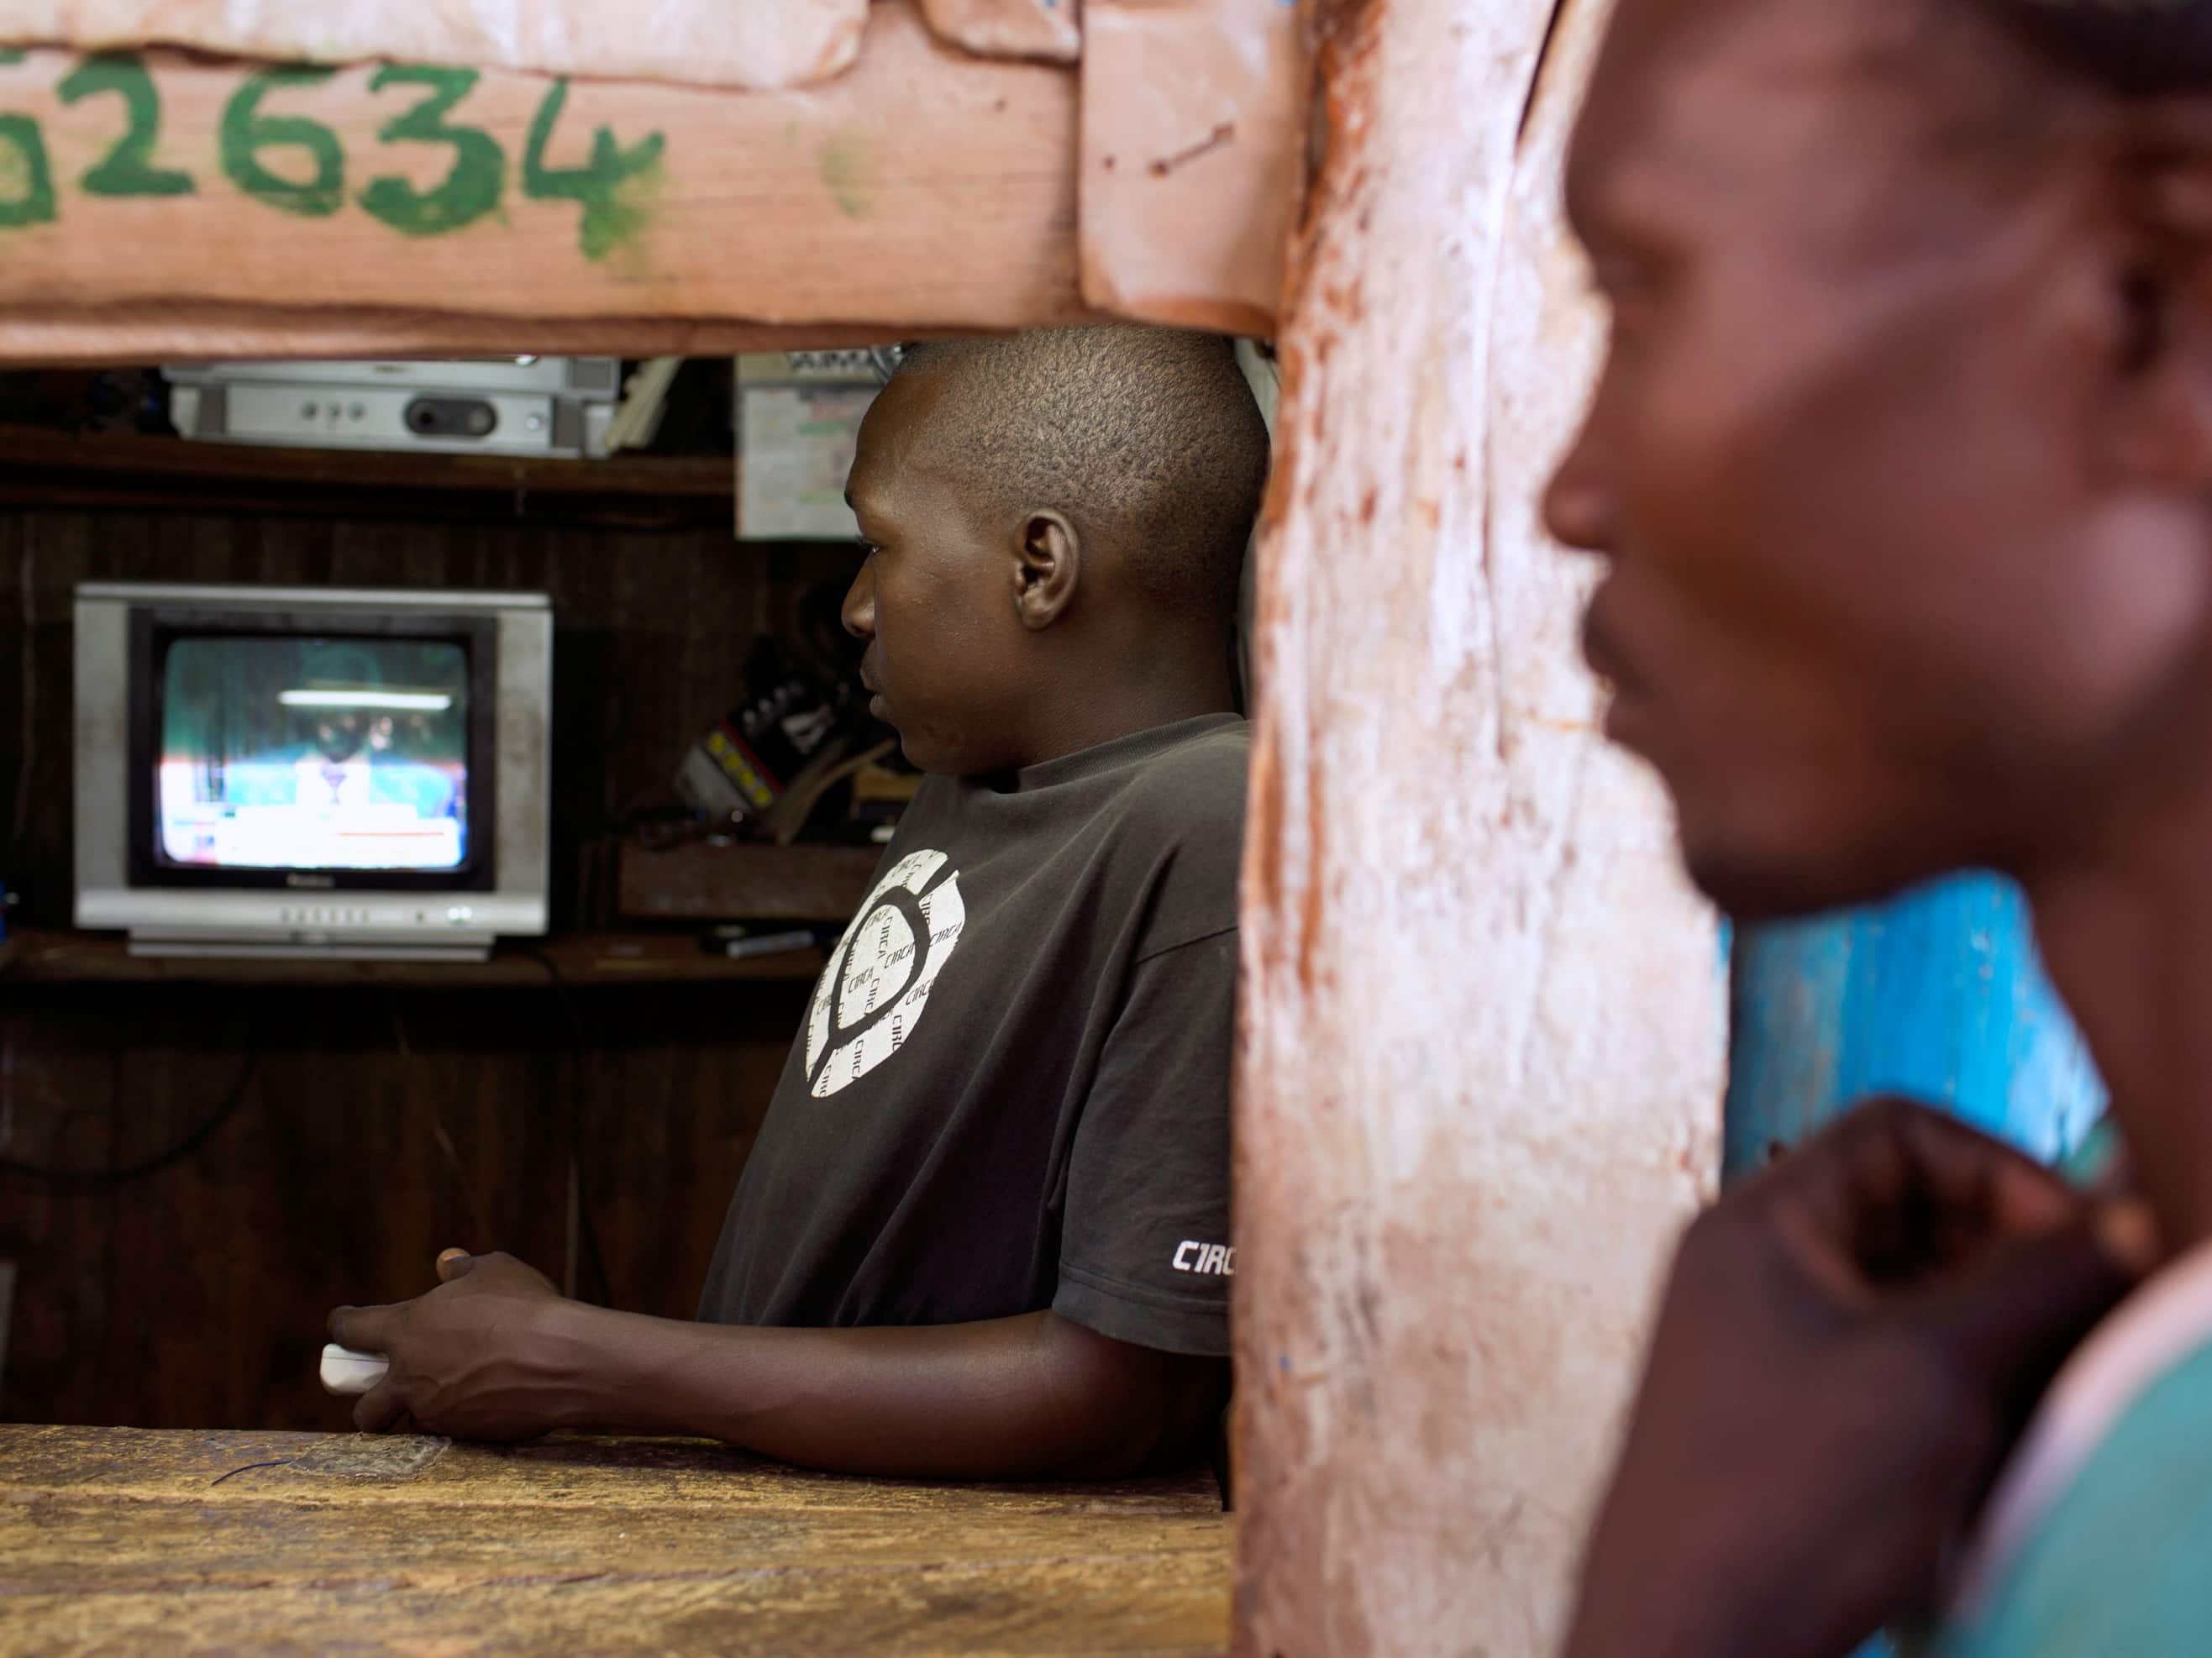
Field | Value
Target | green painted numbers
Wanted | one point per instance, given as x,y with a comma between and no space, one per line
470,191
610,186
246,132
613,186
127,169
26,178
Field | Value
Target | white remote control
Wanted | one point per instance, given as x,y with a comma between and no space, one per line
345,1371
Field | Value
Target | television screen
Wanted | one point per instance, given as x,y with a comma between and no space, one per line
283,752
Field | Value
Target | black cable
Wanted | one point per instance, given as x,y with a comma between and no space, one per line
588,1235
97,1180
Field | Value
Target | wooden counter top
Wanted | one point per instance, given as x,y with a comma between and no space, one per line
115,1539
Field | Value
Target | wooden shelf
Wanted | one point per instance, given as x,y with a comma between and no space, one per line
43,468
582,959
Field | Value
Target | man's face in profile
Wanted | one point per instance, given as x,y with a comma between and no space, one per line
1887,592
934,602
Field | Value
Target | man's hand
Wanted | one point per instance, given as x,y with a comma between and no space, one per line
477,1358
496,1352
1847,1347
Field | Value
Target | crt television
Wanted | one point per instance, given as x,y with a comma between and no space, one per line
307,771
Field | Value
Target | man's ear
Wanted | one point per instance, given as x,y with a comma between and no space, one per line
1047,568
2162,431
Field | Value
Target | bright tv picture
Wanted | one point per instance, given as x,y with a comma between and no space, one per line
283,752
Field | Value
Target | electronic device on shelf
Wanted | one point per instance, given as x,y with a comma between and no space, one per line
306,771
497,405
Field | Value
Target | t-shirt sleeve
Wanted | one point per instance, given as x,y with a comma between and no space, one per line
1144,1251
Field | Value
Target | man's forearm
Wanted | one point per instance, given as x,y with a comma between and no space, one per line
1013,1398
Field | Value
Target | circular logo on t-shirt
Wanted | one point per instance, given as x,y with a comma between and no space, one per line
874,991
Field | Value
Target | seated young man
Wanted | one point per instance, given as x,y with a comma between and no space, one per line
983,1231
1901,468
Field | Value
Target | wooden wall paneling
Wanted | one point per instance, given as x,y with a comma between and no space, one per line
194,1297
323,1186
57,1109
698,882
1483,1033
666,1131
36,731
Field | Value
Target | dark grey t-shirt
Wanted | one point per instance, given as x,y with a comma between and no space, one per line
1013,1090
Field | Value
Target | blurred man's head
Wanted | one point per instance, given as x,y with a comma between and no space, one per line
1901,454
1056,513
340,736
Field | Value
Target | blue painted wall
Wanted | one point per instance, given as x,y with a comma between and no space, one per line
1938,995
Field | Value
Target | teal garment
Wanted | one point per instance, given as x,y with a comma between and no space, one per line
2121,1567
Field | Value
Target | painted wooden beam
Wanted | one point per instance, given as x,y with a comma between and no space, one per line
1483,1027
1048,30
1193,154
733,43
922,187
152,333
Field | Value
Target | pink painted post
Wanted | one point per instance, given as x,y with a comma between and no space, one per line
1484,1024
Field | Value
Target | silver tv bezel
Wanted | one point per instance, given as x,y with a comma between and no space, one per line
310,917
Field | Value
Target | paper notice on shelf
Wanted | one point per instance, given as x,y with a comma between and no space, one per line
795,446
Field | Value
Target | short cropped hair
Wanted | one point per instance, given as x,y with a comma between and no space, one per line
1151,433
